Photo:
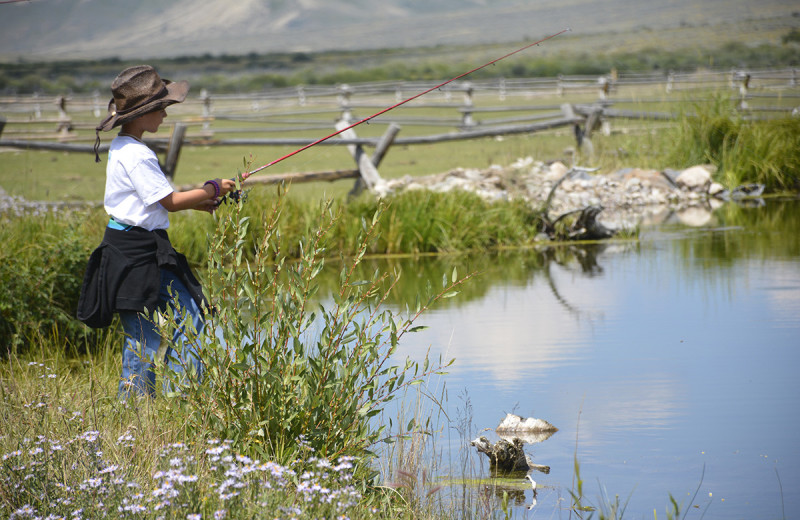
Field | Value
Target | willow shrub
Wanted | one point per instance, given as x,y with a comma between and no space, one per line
284,373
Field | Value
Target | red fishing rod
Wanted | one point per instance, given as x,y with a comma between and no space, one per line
245,175
376,114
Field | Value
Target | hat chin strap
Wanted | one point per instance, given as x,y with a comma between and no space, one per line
97,146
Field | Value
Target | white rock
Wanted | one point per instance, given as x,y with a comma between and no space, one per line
715,189
515,423
557,170
696,178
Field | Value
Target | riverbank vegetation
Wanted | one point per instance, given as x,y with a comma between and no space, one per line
285,423
42,265
744,151
281,420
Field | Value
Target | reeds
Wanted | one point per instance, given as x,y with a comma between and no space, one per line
743,149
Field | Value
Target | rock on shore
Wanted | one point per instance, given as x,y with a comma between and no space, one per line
629,197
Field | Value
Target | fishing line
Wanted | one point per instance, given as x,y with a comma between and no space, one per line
376,114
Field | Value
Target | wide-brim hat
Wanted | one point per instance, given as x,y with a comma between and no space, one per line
139,90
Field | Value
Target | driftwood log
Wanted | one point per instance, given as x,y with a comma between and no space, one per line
581,224
507,457
583,227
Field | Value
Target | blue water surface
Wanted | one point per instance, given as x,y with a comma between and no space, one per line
667,367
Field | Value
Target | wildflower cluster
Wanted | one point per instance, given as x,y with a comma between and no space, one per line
49,479
315,485
64,469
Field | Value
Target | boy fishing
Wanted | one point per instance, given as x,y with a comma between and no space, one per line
135,271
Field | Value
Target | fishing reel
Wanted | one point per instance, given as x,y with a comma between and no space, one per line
233,197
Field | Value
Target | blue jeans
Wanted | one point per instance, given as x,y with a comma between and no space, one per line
143,338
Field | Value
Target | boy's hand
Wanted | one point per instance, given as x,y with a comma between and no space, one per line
226,186
208,205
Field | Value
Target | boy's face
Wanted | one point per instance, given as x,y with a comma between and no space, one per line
152,120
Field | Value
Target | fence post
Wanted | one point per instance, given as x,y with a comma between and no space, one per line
206,99
466,119
670,81
301,95
174,150
502,89
97,108
468,91
604,85
369,175
345,92
37,108
793,79
64,125
560,85
383,145
744,85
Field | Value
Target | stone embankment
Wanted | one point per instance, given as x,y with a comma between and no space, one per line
629,197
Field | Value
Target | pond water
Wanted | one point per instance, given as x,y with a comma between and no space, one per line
668,364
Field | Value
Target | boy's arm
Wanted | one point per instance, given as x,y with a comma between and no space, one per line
198,198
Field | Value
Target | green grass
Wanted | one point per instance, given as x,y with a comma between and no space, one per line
744,151
69,448
42,175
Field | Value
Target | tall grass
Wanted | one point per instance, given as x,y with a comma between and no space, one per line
41,268
744,150
413,222
42,263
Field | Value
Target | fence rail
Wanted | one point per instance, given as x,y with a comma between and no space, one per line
470,109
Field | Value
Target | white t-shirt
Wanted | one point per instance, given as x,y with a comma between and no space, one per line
135,184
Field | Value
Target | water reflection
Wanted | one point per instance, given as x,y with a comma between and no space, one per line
654,358
518,268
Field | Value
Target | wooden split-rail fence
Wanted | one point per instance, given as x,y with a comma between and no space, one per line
468,109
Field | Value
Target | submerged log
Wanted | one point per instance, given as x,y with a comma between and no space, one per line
507,456
584,227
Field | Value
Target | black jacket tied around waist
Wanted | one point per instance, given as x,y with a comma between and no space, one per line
124,274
